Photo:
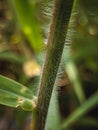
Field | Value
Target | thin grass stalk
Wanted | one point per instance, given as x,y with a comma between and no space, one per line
81,111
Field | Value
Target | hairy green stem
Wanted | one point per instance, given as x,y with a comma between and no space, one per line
55,45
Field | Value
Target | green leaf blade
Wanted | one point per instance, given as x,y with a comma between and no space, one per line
29,23
81,111
14,94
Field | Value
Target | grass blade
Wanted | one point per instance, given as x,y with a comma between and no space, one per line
82,110
29,22
14,94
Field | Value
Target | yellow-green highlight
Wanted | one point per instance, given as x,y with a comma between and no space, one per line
29,23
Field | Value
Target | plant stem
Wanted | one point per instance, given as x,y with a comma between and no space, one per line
55,45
